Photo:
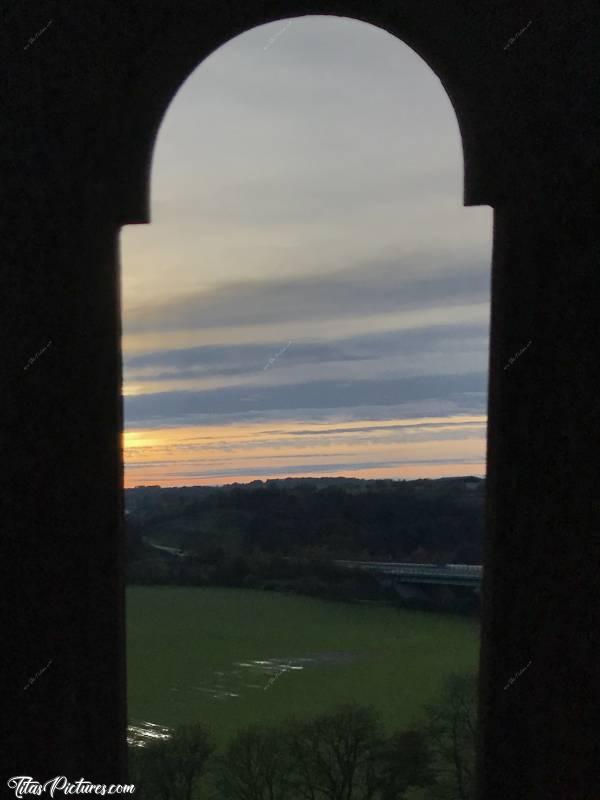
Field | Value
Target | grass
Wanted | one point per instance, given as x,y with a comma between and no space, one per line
180,638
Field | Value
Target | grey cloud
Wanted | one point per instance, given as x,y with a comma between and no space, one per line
252,358
418,340
379,428
321,59
471,403
316,394
372,289
235,359
297,198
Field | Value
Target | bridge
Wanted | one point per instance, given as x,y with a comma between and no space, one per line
392,572
468,575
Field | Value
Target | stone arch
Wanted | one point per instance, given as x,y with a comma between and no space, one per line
147,135
142,118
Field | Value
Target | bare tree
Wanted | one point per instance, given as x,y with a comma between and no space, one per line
404,761
334,755
255,766
172,769
451,729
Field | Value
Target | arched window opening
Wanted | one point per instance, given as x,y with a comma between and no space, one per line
305,348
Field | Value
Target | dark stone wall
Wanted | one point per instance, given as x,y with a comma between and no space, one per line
81,106
540,590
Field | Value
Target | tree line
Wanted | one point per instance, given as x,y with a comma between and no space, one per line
429,520
310,577
343,754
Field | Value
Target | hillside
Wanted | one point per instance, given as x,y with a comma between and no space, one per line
422,520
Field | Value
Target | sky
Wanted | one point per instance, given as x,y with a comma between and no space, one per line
310,298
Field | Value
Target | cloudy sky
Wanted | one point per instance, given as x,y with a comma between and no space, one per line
310,298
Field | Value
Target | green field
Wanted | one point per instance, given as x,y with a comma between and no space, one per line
192,655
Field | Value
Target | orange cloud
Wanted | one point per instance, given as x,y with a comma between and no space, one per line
249,451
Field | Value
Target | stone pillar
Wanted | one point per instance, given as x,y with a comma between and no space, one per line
62,415
540,590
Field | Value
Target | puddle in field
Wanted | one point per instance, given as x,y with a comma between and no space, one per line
255,675
142,733
258,674
272,665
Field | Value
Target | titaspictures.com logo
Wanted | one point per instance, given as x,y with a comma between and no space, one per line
25,785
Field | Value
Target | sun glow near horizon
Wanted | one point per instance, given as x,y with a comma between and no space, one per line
401,448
